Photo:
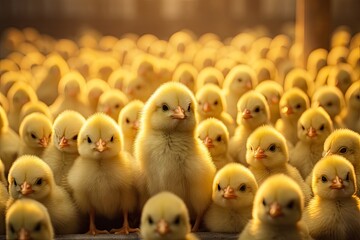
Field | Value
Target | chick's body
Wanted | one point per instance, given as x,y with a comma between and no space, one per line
3,198
351,115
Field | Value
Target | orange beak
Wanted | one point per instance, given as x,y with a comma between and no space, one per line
229,193
63,142
247,114
44,142
337,183
206,108
101,145
249,85
287,110
179,113
26,189
259,154
135,125
275,210
107,110
162,227
312,132
208,142
23,234
129,91
274,99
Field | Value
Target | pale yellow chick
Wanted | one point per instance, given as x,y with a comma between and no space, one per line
111,102
351,115
209,75
186,74
316,61
299,78
265,70
32,107
341,76
137,87
95,88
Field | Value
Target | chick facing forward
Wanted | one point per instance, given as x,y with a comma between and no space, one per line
215,136
111,102
334,212
277,211
28,219
234,189
171,157
165,217
101,178
31,177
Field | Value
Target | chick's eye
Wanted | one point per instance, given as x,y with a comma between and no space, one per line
165,107
291,204
127,120
272,148
324,179
239,79
39,181
189,107
329,104
12,229
177,220
117,105
264,202
75,137
218,138
150,220
216,102
302,127
347,177
33,136
242,188
343,150
112,139
37,227
218,187
322,127
298,106
89,140
15,183
257,109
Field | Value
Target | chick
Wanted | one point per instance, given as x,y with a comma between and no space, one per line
165,217
299,78
4,102
62,152
265,70
103,66
224,65
111,102
167,138
3,198
212,104
129,121
239,80
351,115
234,189
186,74
292,104
2,174
117,78
28,219
333,184
209,75
253,111
95,88
215,136
341,76
32,107
277,211
272,91
314,126
31,177
35,134
316,61
102,178
137,87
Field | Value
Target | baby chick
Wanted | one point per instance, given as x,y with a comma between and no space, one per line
32,107
186,74
165,217
314,126
234,189
111,102
351,115
101,178
137,87
215,136
334,212
316,61
3,198
95,88
209,75
277,211
62,152
167,138
31,177
212,104
129,121
35,134
292,104
265,70
341,76
28,219
299,78
253,111
239,80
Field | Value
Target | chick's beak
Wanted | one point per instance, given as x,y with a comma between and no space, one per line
337,183
246,114
275,210
162,227
179,113
259,154
23,234
287,110
274,99
63,142
229,193
135,125
107,110
249,85
208,142
44,142
206,108
101,145
26,189
312,132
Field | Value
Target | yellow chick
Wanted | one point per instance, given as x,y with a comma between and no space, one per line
272,91
354,61
103,66
111,102
31,177
129,122
265,70
316,61
9,142
97,186
253,111
215,136
165,217
186,74
167,138
32,107
28,219
224,65
299,78
292,104
117,78
337,55
346,143
314,126
334,212
239,80
277,211
3,198
2,174
137,87
341,76
35,134
351,115
212,104
234,189
209,75
62,152
95,88
4,102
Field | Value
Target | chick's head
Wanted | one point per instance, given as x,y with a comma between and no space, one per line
330,98
211,101
35,130
240,79
72,85
293,103
19,94
129,118
352,96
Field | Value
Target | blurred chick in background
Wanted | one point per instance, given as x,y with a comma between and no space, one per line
3,198
351,114
111,102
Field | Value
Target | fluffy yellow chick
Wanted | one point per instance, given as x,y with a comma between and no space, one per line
292,104
137,87
102,178
265,70
215,136
186,74
111,102
71,95
277,211
31,177
103,66
95,88
354,61
209,75
32,107
299,78
239,80
234,189
35,134
272,91
129,122
167,138
316,61
165,217
212,104
253,111
351,115
334,212
341,76
28,219
62,152
267,154
3,198
9,142
314,126
337,55
117,78
224,65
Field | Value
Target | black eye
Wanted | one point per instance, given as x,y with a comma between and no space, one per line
117,105
298,106
218,138
37,227
358,96
347,177
15,183
12,229
39,181
302,127
329,104
189,107
263,202
177,220
150,220
112,139
343,150
322,127
242,188
138,87
324,179
257,109
33,136
272,148
216,102
165,107
239,79
89,140
291,204
127,120
219,188
75,137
